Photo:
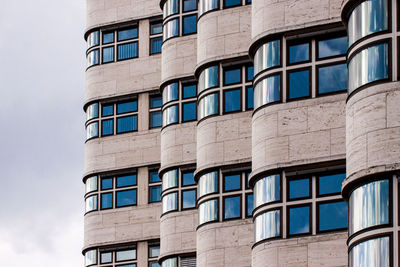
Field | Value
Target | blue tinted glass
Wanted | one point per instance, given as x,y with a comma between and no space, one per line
228,3
232,76
126,198
299,53
189,5
154,264
232,100
189,91
126,51
250,98
125,107
189,111
155,101
154,178
107,127
155,119
250,205
299,188
330,184
299,222
232,182
108,54
246,178
127,34
106,183
332,47
126,124
106,201
187,178
155,44
232,207
188,199
156,27
189,24
155,193
250,73
248,1
126,180
107,110
332,216
332,78
108,37
299,84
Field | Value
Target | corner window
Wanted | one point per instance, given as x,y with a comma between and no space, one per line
92,111
267,56
208,183
170,202
208,105
91,203
170,93
267,91
267,225
372,253
91,257
171,29
170,179
93,39
208,78
267,190
170,115
92,130
208,211
92,58
170,7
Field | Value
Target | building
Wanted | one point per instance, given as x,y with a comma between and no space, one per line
275,126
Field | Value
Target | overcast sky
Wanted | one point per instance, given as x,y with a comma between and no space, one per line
42,134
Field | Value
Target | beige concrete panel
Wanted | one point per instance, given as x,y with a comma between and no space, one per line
124,77
279,16
225,244
178,57
223,34
178,232
122,151
224,140
328,250
104,12
122,225
178,144
299,132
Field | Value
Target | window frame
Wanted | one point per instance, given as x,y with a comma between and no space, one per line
130,205
310,222
102,54
137,48
310,81
230,174
183,24
230,68
247,204
317,205
330,64
240,207
224,100
125,116
195,198
290,43
182,111
295,178
112,201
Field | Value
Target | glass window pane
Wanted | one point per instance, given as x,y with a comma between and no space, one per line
156,27
188,199
126,198
93,39
208,78
187,178
108,37
170,115
125,255
155,101
170,93
299,188
267,56
127,34
228,3
171,262
208,211
154,178
154,264
106,183
155,45
171,29
189,91
299,53
371,253
107,127
126,51
107,110
92,111
232,207
332,47
250,73
92,58
207,5
208,183
332,216
330,184
154,251
106,257
170,7
106,201
189,111
232,100
91,203
91,257
299,222
267,190
267,225
108,54
232,182
92,130
250,98
267,91
208,106
91,184
155,119
126,124
155,193
125,107
189,5
249,205
126,180
232,76
299,84
189,24
369,206
170,179
170,202
332,79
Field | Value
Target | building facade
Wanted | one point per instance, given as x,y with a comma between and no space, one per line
242,133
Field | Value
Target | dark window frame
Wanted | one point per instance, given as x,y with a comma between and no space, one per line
317,205
240,101
240,207
193,10
299,41
102,54
127,249
230,68
183,85
137,48
187,171
151,119
317,177
124,206
327,37
247,205
317,67
218,210
152,185
229,174
150,46
310,81
310,222
188,102
195,198
107,32
112,133
135,26
183,24
124,175
294,178
134,130
112,201
247,97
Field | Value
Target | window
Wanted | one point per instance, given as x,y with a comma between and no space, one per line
232,182
249,98
208,106
126,107
106,257
170,7
170,179
232,100
91,257
106,201
231,3
155,111
299,84
299,220
108,37
91,184
330,184
332,78
107,110
208,78
189,91
189,111
188,199
107,127
267,91
267,190
208,211
154,252
154,186
127,51
92,58
299,53
93,39
108,54
189,24
249,205
332,47
92,130
232,207
126,180
92,111
155,45
112,256
189,5
267,225
170,202
170,115
126,124
207,5
372,253
156,29
170,262
91,203
299,188
106,183
171,29
232,75
170,93
332,216
125,255
125,198
127,34
208,183
188,178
